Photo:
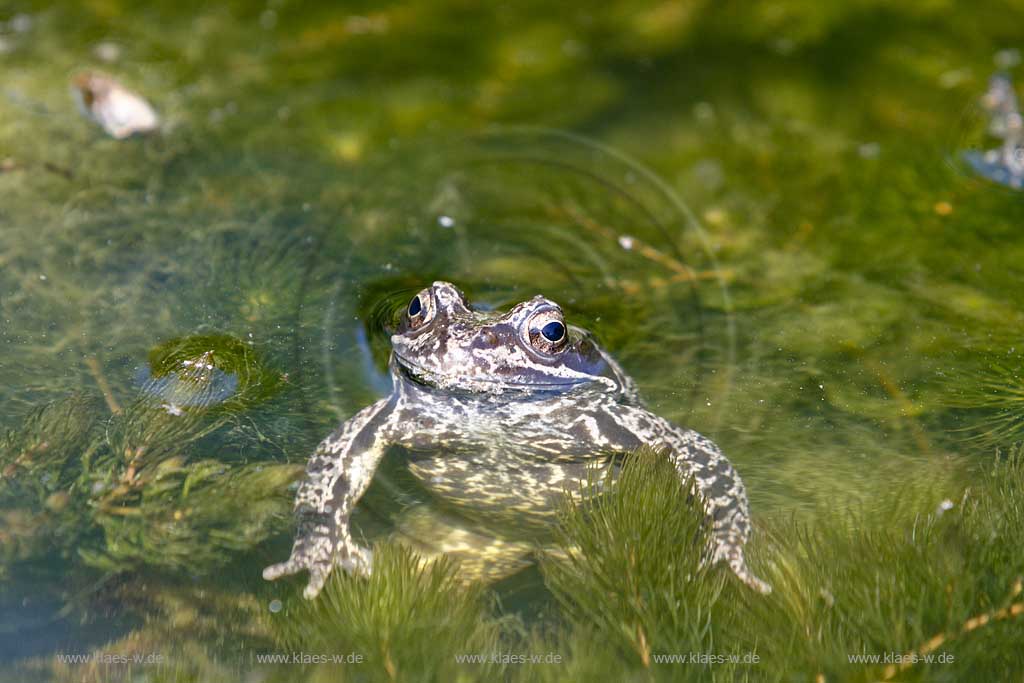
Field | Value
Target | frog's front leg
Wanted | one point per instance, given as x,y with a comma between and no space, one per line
337,476
716,482
724,497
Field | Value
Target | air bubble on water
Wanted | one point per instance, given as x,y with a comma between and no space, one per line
107,51
21,23
869,150
275,606
709,173
784,46
446,221
704,111
573,48
954,77
1007,59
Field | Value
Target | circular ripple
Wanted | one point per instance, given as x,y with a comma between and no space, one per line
515,213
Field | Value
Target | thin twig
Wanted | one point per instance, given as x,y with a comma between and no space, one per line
682,271
906,405
1012,610
97,374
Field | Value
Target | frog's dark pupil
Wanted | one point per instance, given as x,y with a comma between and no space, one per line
415,307
553,331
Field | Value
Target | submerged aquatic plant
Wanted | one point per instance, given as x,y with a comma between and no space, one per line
994,397
144,487
631,567
916,585
409,620
923,584
40,466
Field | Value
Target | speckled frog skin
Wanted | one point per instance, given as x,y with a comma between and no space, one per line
500,410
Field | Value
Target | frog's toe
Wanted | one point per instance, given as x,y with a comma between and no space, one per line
317,578
760,585
739,567
276,571
356,560
318,573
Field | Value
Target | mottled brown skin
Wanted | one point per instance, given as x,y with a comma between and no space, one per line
499,412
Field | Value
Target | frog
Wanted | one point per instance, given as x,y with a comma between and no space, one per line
501,411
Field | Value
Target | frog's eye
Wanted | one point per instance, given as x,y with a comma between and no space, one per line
420,310
547,331
554,331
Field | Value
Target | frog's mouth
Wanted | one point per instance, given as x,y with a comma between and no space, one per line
421,375
415,371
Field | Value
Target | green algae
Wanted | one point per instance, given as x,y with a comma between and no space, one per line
856,320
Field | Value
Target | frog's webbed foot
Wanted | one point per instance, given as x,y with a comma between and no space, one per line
318,573
319,557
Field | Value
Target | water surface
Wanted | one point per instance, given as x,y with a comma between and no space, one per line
762,212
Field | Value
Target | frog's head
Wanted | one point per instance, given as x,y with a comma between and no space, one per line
442,342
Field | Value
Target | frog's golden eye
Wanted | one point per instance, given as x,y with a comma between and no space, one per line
420,310
548,333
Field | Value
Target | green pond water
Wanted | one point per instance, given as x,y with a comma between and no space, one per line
760,209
